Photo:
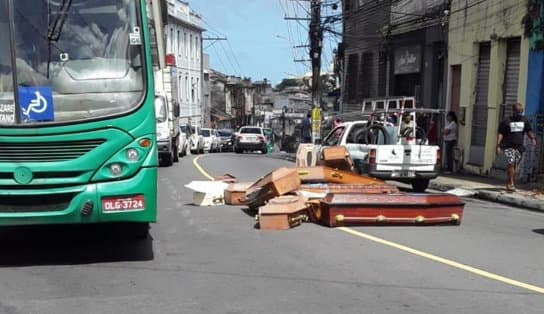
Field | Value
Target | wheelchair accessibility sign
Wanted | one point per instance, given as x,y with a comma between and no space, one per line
36,104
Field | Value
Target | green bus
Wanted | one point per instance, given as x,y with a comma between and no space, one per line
77,122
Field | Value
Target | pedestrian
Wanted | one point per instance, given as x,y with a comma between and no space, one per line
450,139
510,141
407,124
336,123
307,129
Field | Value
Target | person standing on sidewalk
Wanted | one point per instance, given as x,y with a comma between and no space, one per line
510,140
307,129
450,139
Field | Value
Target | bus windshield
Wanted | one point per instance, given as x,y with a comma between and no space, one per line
74,60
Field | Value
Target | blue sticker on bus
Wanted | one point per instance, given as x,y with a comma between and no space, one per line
36,104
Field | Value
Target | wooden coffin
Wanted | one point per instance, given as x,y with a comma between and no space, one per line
276,183
349,188
323,174
354,209
235,193
306,155
282,213
336,157
227,178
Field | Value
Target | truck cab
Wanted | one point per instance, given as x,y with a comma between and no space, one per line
168,130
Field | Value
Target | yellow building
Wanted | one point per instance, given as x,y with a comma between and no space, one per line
487,59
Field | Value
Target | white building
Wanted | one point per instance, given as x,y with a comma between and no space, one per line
183,77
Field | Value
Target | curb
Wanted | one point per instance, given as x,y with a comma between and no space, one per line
498,197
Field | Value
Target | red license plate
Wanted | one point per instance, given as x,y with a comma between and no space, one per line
126,203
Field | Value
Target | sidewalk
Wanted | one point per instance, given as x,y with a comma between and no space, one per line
529,196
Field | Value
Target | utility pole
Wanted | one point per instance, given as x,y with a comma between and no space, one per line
316,44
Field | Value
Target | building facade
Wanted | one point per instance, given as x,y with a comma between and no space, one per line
394,48
183,77
363,52
487,69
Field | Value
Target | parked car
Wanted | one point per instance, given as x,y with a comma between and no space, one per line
211,141
226,138
250,138
183,144
196,141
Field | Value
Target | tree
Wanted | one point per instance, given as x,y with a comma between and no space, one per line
289,82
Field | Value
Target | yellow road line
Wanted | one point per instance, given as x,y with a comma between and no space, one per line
199,168
419,253
445,261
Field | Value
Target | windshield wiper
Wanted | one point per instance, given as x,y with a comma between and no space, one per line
54,31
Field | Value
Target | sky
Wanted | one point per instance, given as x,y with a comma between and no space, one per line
259,41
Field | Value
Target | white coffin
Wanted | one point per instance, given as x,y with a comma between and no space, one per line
208,193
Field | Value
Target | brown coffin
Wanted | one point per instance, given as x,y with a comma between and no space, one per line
353,209
323,174
336,157
276,183
282,213
227,178
235,193
349,188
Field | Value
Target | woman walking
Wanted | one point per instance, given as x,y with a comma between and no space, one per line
450,139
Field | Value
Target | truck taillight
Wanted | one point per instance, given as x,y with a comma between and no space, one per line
372,156
439,158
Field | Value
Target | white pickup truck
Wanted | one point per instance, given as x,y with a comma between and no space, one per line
388,153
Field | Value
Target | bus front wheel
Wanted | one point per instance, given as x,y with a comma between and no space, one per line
138,230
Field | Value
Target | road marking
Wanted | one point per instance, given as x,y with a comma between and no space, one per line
199,168
445,261
419,253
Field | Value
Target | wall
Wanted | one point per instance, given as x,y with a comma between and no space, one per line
184,41
471,23
363,52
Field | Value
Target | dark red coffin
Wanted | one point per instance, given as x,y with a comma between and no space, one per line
378,209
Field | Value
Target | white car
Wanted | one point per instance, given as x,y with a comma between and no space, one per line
211,140
250,138
196,141
183,144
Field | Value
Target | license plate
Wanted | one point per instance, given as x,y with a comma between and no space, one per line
403,174
120,204
248,139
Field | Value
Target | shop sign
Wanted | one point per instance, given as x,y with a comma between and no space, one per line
408,60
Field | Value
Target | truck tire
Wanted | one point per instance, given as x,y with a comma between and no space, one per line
420,185
168,160
420,133
176,153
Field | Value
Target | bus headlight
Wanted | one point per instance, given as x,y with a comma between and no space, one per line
127,161
132,155
116,170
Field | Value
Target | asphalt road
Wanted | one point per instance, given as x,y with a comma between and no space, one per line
212,260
